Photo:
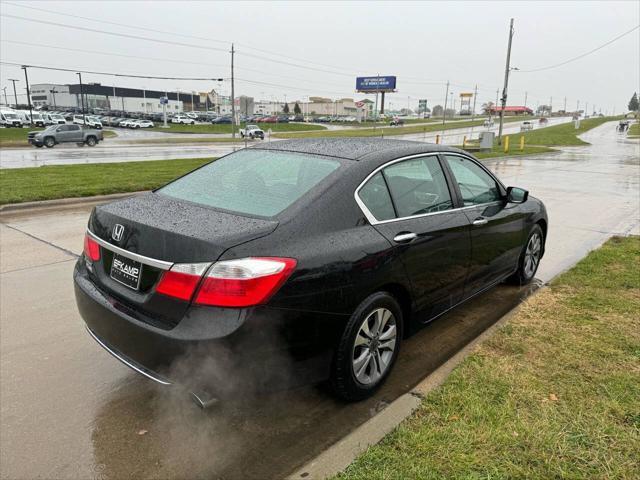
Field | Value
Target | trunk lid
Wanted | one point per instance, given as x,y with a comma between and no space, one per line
170,230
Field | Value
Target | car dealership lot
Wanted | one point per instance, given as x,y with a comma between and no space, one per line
116,150
88,416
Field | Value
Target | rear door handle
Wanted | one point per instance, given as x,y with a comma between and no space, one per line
405,237
480,221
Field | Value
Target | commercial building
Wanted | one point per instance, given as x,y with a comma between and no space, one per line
96,95
510,111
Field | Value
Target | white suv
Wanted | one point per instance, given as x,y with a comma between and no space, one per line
183,119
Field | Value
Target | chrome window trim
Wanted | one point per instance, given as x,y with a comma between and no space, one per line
372,219
161,264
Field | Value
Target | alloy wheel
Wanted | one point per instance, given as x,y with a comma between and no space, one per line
532,255
374,346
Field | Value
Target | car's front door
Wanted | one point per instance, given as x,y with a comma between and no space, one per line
496,226
62,133
413,208
74,134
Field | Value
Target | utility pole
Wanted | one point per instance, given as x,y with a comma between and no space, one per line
506,82
586,108
565,104
577,106
84,122
192,100
4,89
233,96
475,96
114,98
178,94
26,79
550,105
15,95
446,96
525,99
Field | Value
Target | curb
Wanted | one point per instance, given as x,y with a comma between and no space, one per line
342,453
62,203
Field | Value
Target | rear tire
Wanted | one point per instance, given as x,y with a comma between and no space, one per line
529,258
368,348
91,141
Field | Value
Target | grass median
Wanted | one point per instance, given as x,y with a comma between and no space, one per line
66,181
634,130
555,393
391,131
226,128
17,137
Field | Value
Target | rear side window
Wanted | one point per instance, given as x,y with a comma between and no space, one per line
418,186
476,185
375,196
254,182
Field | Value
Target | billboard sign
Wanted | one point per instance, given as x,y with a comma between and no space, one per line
375,84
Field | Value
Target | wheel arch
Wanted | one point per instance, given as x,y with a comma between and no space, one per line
403,296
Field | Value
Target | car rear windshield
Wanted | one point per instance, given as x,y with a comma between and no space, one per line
253,182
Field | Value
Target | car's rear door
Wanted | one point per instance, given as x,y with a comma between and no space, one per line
409,202
74,133
496,226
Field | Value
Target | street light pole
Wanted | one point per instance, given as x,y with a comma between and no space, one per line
446,96
26,79
4,89
84,122
506,82
53,92
15,95
233,95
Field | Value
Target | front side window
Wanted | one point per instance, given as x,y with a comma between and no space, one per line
476,185
418,186
254,182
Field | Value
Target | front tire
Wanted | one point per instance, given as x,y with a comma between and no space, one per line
529,258
49,142
368,348
91,141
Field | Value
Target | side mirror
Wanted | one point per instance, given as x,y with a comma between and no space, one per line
517,195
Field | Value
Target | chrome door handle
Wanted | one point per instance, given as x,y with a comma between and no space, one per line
480,221
405,237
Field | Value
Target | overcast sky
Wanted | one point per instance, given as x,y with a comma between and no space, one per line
423,43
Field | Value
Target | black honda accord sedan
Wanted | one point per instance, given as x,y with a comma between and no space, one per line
299,261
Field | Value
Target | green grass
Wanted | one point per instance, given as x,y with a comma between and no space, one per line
66,181
17,137
224,128
389,131
555,393
561,135
498,151
634,130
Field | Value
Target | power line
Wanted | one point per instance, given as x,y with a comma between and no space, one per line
125,35
582,55
76,70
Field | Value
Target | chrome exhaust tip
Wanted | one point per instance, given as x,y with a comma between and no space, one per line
204,399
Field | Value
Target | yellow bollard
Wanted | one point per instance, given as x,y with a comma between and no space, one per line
522,143
506,144
464,142
437,139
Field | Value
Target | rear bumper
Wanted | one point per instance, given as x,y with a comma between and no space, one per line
219,350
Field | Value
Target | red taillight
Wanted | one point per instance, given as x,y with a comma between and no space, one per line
182,280
91,248
244,282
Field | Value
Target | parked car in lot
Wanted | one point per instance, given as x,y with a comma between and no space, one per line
526,126
183,119
142,124
88,120
300,260
126,122
9,119
252,131
221,120
55,134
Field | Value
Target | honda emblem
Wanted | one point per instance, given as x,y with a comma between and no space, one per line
117,232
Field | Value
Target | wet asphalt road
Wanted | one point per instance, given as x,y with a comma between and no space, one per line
117,150
69,410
